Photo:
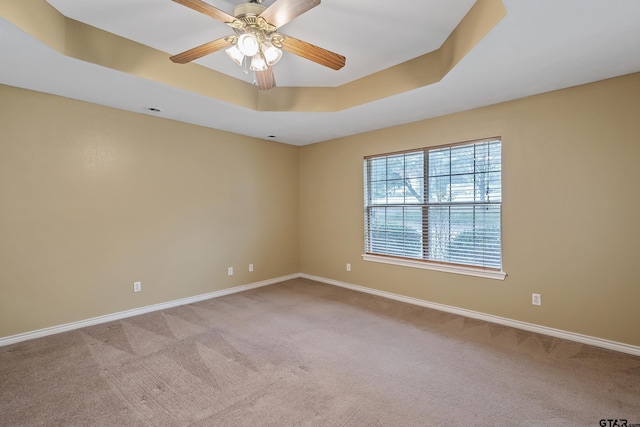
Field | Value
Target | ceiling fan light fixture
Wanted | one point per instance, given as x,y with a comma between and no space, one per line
258,63
248,44
235,54
271,53
255,37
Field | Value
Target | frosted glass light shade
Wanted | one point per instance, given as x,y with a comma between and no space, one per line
271,53
258,63
248,44
235,54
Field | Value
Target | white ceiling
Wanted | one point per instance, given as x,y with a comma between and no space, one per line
539,46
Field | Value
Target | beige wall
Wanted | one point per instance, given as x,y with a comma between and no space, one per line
93,199
570,210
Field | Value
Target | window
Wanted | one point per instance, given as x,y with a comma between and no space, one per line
439,205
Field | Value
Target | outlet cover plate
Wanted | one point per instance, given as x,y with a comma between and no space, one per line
536,299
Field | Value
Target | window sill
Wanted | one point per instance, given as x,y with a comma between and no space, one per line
457,269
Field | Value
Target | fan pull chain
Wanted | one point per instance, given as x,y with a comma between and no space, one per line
245,65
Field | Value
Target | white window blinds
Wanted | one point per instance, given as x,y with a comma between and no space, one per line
439,204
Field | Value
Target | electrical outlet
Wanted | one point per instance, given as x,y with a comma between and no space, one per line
230,271
535,299
137,286
250,267
348,267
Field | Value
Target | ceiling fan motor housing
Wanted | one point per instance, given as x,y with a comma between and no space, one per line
248,9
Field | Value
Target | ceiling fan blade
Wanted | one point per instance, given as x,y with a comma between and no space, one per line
284,11
265,79
207,9
313,53
200,51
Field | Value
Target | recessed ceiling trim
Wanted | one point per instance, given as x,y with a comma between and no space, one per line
37,18
93,45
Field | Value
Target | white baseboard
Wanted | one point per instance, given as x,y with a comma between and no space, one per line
13,339
558,333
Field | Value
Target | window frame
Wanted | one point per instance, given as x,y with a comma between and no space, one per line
424,263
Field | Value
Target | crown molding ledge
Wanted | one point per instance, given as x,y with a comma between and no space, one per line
89,44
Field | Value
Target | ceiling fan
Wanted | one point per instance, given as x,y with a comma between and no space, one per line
256,43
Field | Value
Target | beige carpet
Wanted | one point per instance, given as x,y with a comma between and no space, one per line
304,353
